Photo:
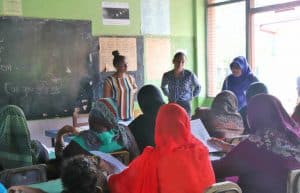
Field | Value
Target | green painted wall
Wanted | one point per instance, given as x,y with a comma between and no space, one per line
187,18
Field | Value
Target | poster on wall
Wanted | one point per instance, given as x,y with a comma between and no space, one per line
12,7
156,17
157,57
125,46
114,13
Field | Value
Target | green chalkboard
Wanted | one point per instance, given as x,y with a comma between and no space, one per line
44,64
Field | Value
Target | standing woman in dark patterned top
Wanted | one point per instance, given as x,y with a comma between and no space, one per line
121,86
180,85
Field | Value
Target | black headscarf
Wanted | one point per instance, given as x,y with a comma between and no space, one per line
254,89
149,99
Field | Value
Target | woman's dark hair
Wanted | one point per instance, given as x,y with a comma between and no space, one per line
80,174
117,58
178,55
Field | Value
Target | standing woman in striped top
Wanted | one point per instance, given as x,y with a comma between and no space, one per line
121,86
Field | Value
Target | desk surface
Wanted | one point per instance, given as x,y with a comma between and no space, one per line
52,186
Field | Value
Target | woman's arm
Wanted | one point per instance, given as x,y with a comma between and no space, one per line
60,144
197,87
107,89
133,84
164,85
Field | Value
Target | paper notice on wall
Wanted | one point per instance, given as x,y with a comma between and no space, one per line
12,7
156,17
157,57
125,46
114,13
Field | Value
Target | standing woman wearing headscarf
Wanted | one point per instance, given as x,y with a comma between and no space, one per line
142,128
179,163
262,161
16,147
240,79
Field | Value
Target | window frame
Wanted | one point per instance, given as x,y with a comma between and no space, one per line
250,11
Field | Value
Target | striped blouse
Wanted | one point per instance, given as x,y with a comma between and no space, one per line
123,90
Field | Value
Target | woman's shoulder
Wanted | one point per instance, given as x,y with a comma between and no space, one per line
252,78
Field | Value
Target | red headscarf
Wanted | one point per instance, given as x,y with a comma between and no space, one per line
178,164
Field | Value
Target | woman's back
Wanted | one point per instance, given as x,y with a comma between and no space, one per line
179,163
259,171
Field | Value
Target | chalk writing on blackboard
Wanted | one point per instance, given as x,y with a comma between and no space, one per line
43,88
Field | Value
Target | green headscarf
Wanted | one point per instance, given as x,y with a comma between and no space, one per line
105,112
15,150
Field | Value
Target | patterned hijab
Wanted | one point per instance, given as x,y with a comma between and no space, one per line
224,117
273,129
15,150
104,113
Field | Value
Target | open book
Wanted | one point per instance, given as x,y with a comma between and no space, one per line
119,166
199,131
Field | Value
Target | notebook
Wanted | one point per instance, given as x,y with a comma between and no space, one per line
199,131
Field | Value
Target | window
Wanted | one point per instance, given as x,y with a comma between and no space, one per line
275,51
261,3
274,28
226,39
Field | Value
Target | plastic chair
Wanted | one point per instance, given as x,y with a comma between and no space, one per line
223,187
24,175
293,181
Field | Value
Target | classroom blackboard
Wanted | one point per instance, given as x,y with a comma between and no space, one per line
45,65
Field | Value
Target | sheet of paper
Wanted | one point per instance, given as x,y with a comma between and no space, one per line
12,7
155,17
119,166
199,131
157,57
126,47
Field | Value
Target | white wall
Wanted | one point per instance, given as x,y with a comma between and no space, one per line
38,127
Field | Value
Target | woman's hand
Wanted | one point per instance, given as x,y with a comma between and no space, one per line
220,144
67,129
107,167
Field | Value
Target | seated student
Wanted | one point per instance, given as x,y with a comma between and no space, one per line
296,114
142,128
80,174
16,147
178,163
263,160
105,134
298,89
223,119
254,89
